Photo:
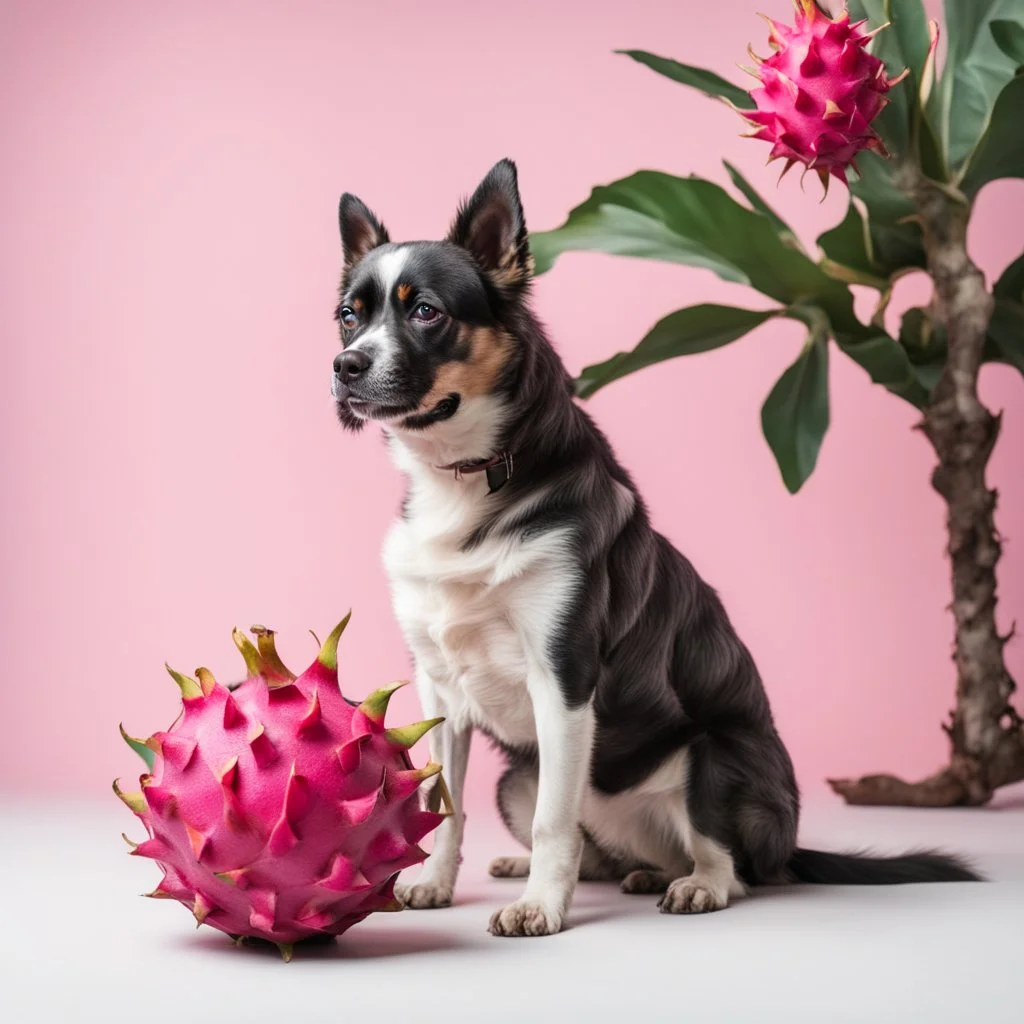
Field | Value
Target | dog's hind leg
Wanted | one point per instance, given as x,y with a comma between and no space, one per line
517,798
594,867
509,867
712,879
738,815
710,884
645,881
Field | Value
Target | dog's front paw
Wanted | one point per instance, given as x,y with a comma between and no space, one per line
524,917
424,895
691,895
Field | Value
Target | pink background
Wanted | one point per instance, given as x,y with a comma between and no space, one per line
171,462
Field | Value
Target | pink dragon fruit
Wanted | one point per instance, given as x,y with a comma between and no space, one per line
278,809
820,92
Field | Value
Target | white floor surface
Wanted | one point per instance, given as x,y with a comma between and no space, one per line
78,945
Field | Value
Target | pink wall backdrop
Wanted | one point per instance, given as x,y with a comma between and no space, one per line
171,465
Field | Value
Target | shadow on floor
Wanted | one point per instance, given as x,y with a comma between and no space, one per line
362,943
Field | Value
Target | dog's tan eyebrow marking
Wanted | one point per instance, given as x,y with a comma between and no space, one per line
357,305
404,291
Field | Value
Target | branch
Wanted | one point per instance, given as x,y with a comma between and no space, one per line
943,789
961,783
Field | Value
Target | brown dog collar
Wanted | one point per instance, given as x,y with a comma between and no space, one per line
498,469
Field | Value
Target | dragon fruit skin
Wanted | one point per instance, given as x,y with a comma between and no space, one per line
820,91
280,810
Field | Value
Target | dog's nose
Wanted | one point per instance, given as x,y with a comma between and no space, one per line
350,364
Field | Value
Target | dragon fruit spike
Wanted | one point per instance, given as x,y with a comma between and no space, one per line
820,90
274,669
190,688
206,681
408,735
146,749
376,705
135,802
328,656
253,661
277,809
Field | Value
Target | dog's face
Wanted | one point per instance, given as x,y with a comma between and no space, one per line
423,323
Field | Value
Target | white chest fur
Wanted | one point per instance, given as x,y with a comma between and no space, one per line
476,621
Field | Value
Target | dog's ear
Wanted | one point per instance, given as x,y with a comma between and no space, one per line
492,227
360,229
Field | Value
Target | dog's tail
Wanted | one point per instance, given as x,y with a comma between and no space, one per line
864,869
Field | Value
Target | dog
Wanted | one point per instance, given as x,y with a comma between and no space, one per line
542,609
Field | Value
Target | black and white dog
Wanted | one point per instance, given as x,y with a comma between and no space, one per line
542,608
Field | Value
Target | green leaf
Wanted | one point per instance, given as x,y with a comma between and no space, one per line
682,333
903,45
621,231
896,243
755,200
974,74
1009,37
696,223
1000,153
140,748
928,374
875,186
910,27
897,247
846,247
926,142
1011,282
887,364
1006,331
929,153
923,340
925,345
795,414
698,78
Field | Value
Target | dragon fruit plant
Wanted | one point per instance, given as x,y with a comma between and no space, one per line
853,94
277,809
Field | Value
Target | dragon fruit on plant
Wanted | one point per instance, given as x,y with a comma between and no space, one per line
820,92
278,809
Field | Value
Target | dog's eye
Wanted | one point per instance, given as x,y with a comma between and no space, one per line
426,314
348,317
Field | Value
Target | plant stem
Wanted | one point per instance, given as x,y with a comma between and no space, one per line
985,731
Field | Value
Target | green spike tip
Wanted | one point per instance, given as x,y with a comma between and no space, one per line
407,735
206,681
328,656
140,747
190,689
253,661
376,705
439,799
274,668
135,802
